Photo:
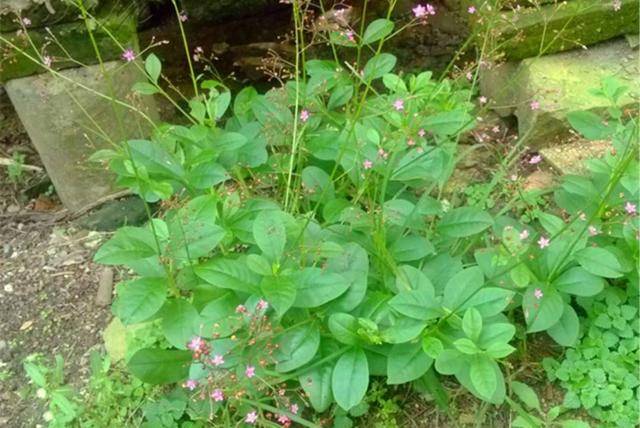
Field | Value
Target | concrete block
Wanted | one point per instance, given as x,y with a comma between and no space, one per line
54,113
559,84
562,26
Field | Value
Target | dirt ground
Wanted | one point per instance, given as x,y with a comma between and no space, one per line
47,284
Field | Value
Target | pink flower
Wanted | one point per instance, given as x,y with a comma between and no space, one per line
471,10
419,11
430,10
524,234
543,242
46,60
217,395
482,99
350,35
26,21
304,115
617,4
593,231
535,105
495,129
469,76
262,305
421,133
367,164
251,417
537,293
128,55
190,384
183,17
398,105
250,371
630,208
410,142
217,360
195,344
283,419
535,160
382,153
241,309
294,409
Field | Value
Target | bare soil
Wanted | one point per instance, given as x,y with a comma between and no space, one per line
48,285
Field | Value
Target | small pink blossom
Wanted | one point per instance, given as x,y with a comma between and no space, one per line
382,153
410,142
195,344
262,305
350,35
535,160
251,417
495,129
630,208
535,105
26,21
524,234
217,360
421,133
190,384
469,76
128,55
47,61
471,10
183,17
593,231
241,309
250,371
294,409
537,293
304,115
398,105
482,99
217,395
284,419
543,242
367,164
419,11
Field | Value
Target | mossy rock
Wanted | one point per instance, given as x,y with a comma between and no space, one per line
40,12
562,26
75,41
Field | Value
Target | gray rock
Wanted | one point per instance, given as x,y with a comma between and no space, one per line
559,84
65,137
113,214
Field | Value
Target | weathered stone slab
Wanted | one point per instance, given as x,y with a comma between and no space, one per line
65,137
569,158
562,26
75,42
559,84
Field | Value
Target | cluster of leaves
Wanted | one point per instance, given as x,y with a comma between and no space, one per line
600,374
111,396
365,272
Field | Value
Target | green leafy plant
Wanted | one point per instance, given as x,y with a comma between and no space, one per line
15,169
527,414
600,374
110,396
305,244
